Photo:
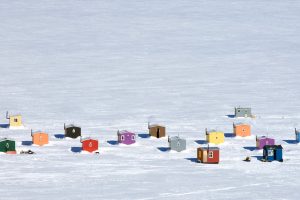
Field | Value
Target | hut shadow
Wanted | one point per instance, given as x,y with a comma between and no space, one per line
250,148
112,142
4,125
27,143
194,160
144,135
230,116
258,157
76,149
201,141
229,135
291,141
59,136
163,149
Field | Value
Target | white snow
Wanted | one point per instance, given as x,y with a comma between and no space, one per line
109,65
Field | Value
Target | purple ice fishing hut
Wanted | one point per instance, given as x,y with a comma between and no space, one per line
262,141
126,137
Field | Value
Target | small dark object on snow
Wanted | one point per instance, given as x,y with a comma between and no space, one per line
248,159
27,152
97,152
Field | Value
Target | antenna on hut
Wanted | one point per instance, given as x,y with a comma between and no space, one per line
148,125
7,117
207,149
64,125
31,132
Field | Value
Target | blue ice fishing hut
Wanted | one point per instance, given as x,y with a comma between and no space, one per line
297,133
272,152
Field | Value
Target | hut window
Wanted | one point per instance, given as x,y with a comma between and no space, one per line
178,144
122,137
270,153
7,145
73,131
132,137
210,154
90,144
15,120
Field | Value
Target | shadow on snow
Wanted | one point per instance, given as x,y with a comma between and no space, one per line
112,142
4,125
59,136
144,135
201,141
291,141
230,116
250,148
163,149
27,143
76,149
229,135
194,160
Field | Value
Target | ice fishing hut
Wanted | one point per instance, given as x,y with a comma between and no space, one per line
241,129
89,144
242,112
7,146
176,143
156,130
272,152
72,131
14,120
39,138
208,155
126,137
214,137
297,133
262,141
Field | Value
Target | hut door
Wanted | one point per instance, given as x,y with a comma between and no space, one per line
7,146
157,133
204,156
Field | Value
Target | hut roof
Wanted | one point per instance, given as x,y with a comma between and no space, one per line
72,126
86,138
240,123
242,107
125,132
264,137
155,125
209,131
273,147
5,139
176,138
210,148
39,131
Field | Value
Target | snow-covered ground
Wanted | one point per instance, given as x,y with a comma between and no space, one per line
109,65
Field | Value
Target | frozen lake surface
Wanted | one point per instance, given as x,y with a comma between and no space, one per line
109,65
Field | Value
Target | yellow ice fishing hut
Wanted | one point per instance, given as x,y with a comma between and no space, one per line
14,120
214,137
